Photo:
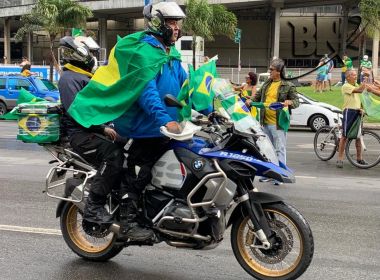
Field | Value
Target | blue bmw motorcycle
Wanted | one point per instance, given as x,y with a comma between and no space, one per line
202,185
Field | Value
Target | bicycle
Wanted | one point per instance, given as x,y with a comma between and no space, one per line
326,144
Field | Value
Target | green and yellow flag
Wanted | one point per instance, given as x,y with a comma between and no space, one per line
24,97
284,119
201,83
76,32
184,97
196,91
115,87
370,105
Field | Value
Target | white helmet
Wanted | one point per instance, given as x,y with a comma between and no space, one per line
156,14
365,57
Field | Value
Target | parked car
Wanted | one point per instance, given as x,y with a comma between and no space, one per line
261,79
10,86
314,114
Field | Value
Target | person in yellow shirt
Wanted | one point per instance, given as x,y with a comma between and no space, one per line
25,71
276,90
248,90
351,111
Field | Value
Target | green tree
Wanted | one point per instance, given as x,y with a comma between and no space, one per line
54,17
370,14
205,20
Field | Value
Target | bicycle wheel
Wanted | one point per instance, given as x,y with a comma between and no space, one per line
325,143
370,150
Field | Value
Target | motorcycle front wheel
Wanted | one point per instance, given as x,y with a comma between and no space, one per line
289,256
97,246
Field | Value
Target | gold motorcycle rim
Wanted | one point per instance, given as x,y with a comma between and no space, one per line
78,236
278,268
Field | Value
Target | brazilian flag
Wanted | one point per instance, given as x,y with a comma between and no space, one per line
115,87
370,105
184,97
38,128
24,97
284,119
201,81
196,91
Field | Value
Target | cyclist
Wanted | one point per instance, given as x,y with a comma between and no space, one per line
351,111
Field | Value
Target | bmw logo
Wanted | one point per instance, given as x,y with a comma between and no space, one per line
198,164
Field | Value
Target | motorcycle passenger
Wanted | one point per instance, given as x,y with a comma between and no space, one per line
150,112
94,144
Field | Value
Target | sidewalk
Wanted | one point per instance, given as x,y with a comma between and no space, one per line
373,126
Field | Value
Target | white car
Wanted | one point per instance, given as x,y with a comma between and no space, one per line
314,114
261,79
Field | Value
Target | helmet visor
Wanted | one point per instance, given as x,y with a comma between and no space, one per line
70,54
174,22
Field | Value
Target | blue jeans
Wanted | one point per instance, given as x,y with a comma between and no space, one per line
278,139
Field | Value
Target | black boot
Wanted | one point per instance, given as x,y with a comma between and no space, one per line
130,229
94,210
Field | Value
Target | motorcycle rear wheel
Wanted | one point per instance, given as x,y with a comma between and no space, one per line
289,258
88,247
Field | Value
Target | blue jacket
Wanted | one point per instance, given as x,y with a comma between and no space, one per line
149,113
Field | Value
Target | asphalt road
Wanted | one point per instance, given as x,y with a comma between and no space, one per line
341,205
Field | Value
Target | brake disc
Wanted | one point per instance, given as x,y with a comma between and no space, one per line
95,230
280,249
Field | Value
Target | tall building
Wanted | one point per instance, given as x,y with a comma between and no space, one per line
299,31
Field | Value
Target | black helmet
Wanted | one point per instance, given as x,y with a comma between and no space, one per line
79,51
156,14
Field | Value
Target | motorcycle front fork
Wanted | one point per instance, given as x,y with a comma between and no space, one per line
260,223
257,216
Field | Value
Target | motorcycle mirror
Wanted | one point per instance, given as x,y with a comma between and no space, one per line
171,101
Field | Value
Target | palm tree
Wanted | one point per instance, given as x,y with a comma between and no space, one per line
205,20
370,13
54,17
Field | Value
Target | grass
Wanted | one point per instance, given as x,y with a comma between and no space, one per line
333,97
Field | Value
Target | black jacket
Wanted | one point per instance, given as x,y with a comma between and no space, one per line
69,84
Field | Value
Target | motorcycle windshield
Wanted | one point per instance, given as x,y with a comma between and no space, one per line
230,104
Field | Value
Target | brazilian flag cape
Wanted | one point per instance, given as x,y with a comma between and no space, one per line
116,86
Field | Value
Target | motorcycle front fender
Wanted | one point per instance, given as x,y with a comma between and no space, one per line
255,198
60,206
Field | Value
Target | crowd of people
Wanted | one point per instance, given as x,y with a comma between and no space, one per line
326,65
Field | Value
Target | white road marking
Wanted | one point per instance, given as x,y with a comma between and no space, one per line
30,230
8,160
306,177
306,146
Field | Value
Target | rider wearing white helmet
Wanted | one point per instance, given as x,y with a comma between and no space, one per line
142,122
160,19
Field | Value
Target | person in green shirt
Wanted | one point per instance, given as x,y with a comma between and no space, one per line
365,67
351,111
347,65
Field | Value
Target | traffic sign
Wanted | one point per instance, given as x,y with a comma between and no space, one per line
237,35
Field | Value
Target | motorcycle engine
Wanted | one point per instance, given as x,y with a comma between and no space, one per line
179,211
